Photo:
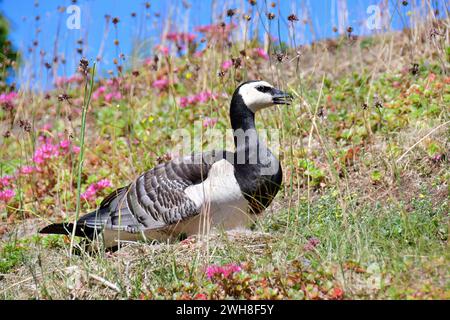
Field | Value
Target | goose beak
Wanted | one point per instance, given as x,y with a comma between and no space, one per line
280,97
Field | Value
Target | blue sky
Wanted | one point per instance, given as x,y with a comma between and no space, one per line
22,15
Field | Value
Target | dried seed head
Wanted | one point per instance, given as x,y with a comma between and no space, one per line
335,29
48,65
147,5
116,42
236,62
273,4
252,2
247,17
133,14
271,16
83,66
231,12
115,20
292,18
80,50
63,97
135,73
349,29
405,3
25,125
414,69
7,134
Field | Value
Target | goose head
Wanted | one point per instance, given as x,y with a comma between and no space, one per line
257,95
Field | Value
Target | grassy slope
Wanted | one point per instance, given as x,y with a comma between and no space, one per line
352,221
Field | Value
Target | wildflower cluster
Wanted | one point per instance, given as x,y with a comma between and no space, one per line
201,97
94,188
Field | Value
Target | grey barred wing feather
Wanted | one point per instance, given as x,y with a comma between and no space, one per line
156,199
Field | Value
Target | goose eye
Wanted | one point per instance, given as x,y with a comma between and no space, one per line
263,89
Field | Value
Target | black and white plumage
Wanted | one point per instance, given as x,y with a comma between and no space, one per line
187,195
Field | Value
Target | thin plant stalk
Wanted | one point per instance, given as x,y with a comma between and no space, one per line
86,102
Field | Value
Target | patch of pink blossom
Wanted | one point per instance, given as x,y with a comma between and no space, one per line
49,150
225,271
76,78
7,195
160,84
5,181
209,122
102,92
260,52
162,49
201,97
227,65
26,170
92,190
311,244
7,100
216,30
180,37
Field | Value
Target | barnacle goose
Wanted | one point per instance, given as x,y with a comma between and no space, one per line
183,196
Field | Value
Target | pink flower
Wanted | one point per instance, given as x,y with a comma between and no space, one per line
163,49
46,151
183,102
5,181
46,127
7,97
102,184
98,92
209,122
64,144
160,84
227,65
76,149
225,271
92,190
312,243
25,170
261,53
7,195
7,100
180,37
113,96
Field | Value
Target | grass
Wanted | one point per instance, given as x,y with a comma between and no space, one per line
362,214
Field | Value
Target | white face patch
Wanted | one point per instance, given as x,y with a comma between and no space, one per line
256,100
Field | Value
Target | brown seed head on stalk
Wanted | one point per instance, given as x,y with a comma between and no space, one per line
231,12
7,134
292,18
271,16
133,14
252,2
83,67
115,20
404,3
247,17
25,125
273,4
63,97
349,29
147,5
236,62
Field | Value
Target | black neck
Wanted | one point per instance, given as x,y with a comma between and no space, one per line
241,117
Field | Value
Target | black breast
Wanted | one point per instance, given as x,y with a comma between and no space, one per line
259,184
